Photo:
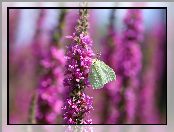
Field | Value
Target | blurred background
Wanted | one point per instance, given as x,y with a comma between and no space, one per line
31,32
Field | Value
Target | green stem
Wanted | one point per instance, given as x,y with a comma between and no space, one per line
32,110
57,35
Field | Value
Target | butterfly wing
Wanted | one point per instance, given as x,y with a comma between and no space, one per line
100,74
108,73
95,78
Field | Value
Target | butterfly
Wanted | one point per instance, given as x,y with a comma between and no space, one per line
100,74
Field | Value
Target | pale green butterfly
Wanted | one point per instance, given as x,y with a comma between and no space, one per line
100,74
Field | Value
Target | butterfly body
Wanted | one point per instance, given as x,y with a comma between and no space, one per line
100,74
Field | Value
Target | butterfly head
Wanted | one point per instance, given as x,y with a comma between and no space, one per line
93,61
98,55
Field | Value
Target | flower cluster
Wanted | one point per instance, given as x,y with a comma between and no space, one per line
129,63
112,91
77,107
129,59
79,58
40,37
147,99
129,54
50,91
133,22
51,87
149,94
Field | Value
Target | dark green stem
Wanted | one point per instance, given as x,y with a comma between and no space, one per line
32,110
57,35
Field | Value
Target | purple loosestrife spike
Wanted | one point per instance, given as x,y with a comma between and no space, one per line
112,91
130,50
51,85
38,47
153,74
148,109
78,61
49,100
129,63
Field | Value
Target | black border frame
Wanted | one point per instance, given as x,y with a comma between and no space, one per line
8,8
